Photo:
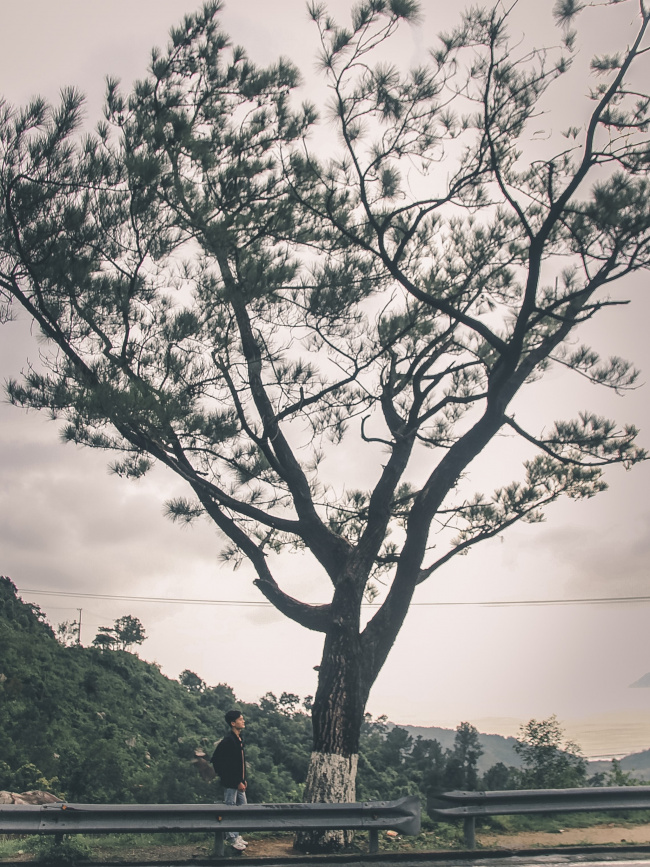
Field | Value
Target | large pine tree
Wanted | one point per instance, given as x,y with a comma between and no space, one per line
222,297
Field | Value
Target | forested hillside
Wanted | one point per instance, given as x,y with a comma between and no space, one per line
98,724
103,725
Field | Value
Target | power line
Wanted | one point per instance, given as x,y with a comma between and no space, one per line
163,599
505,603
586,600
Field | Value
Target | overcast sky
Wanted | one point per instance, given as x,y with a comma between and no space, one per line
67,526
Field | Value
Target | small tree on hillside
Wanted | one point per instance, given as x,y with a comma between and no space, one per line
105,638
461,770
616,776
124,633
68,632
129,631
549,761
191,681
394,295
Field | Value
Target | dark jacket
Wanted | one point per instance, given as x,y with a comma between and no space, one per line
229,761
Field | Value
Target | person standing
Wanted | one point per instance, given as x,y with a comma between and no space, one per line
229,762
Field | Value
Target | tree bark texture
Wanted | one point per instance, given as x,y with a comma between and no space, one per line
330,779
337,715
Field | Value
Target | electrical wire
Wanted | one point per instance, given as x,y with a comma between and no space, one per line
505,603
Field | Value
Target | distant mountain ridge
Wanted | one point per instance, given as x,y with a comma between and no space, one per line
637,764
498,748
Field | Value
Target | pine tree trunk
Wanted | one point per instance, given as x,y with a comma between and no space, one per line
337,715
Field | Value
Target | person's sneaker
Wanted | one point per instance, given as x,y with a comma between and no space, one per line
239,844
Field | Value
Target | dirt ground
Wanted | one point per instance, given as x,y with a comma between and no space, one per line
269,847
282,847
599,835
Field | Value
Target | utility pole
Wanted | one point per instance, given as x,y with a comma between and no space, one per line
79,628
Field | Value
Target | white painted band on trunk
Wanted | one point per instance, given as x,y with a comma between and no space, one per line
331,779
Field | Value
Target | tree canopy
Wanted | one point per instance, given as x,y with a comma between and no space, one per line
228,293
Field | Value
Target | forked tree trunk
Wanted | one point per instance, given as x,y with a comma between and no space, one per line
337,715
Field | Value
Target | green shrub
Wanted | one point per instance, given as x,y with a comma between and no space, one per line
66,851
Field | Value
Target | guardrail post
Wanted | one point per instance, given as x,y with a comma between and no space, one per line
373,841
218,844
469,832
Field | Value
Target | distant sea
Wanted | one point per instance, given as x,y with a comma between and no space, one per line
600,736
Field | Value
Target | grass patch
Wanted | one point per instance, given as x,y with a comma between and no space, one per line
12,847
59,853
73,848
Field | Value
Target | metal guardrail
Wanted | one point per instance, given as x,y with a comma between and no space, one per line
470,805
402,815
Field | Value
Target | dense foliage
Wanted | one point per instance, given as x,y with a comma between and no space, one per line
104,726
